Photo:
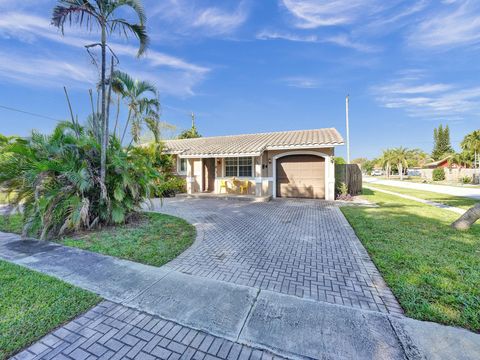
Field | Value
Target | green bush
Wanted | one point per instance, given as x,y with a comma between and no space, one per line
171,186
56,178
466,180
438,174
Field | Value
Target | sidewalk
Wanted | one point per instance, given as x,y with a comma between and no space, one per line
473,193
285,325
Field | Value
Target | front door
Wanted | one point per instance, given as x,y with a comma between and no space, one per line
208,175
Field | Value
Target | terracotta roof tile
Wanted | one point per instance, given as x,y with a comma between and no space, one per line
253,144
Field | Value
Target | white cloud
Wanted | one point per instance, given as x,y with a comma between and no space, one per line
192,19
301,82
342,40
457,24
428,100
310,14
181,75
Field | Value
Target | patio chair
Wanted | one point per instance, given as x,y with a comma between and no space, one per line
223,184
244,186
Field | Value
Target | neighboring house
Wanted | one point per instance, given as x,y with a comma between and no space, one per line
279,164
443,163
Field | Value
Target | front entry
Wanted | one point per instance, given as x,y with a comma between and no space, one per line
301,176
208,175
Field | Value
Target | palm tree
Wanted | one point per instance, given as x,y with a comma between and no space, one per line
102,13
471,144
142,101
386,161
400,157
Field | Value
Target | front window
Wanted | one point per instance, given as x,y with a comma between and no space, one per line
240,167
182,166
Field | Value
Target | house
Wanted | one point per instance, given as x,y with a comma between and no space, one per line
443,163
296,164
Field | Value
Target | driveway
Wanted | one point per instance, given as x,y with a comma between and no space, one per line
304,248
469,192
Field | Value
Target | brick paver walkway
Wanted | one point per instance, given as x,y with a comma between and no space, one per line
111,331
304,248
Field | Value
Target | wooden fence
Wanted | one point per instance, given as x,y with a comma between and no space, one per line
351,175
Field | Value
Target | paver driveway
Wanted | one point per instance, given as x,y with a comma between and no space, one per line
304,248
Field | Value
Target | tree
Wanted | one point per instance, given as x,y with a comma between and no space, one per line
340,160
102,13
441,143
471,147
468,219
400,156
418,158
143,104
386,160
191,133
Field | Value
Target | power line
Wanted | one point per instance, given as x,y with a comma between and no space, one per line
28,113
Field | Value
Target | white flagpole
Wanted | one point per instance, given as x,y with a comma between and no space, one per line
348,129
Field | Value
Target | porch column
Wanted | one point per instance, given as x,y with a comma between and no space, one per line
329,179
258,175
190,178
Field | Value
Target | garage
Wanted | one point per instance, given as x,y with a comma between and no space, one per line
301,176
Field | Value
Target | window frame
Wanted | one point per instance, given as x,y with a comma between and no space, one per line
179,166
238,165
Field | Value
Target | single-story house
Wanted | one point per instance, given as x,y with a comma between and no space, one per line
278,164
442,163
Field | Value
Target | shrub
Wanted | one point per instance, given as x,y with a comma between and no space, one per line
438,174
466,180
171,186
56,179
343,194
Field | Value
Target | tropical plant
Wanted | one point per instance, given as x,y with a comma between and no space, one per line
191,133
143,104
471,147
461,159
400,156
438,174
103,13
386,160
466,179
55,179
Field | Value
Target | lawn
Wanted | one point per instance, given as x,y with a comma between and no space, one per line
456,201
152,239
433,270
33,304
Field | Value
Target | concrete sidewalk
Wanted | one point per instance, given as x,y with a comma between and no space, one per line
469,192
285,325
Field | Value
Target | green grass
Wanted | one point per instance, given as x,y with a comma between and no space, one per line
33,304
433,270
11,223
456,201
154,239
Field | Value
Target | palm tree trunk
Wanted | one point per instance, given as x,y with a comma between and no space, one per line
126,125
103,151
400,171
468,219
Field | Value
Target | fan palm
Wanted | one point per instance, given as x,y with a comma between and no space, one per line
386,160
142,101
471,144
102,13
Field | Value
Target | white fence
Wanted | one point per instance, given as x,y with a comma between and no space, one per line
454,175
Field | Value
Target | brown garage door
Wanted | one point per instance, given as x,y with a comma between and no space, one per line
301,176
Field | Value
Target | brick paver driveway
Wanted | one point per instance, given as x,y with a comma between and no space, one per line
304,248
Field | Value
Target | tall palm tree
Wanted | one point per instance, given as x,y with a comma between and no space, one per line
102,13
386,160
400,157
471,144
142,101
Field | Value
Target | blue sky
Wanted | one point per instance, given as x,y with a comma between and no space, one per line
246,66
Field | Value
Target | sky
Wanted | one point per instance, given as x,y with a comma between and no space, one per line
247,66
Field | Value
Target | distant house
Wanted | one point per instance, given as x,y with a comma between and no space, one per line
297,164
443,163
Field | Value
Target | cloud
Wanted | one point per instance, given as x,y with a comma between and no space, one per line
191,19
457,24
301,82
165,68
310,14
426,99
342,40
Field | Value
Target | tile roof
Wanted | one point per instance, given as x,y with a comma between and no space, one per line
253,144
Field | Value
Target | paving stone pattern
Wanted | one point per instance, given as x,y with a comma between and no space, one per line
304,248
112,331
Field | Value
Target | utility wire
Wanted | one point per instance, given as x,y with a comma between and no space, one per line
28,113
